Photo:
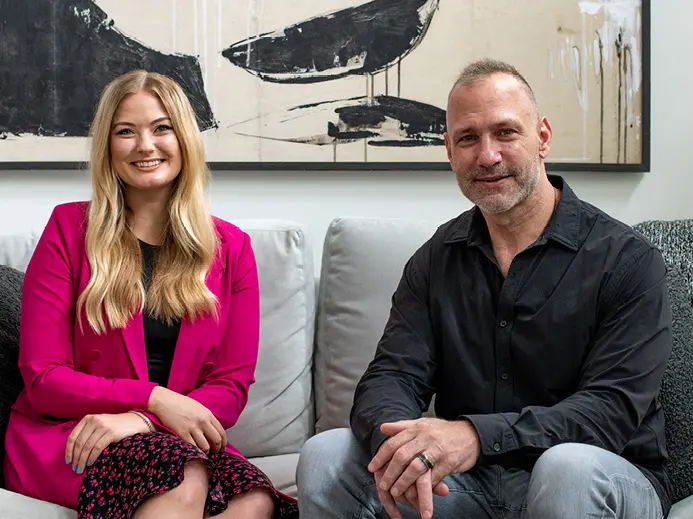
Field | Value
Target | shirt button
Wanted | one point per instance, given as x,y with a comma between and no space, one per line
504,323
496,446
504,376
512,274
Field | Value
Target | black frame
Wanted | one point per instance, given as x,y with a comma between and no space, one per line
642,167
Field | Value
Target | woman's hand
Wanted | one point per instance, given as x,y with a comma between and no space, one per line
95,432
189,419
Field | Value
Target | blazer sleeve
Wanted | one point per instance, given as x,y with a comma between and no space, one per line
225,389
47,325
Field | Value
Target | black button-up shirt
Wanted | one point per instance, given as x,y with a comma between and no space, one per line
571,346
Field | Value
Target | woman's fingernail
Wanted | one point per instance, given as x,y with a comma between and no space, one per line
88,463
79,470
74,467
67,460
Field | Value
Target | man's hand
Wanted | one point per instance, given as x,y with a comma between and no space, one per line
452,447
96,432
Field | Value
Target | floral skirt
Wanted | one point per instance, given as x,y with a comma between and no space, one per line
138,467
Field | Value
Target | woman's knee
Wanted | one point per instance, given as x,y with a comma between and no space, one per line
193,490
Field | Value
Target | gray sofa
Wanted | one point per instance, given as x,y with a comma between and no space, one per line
316,336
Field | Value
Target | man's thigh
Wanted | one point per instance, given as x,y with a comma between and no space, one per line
485,492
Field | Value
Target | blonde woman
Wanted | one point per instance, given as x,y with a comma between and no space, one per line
139,331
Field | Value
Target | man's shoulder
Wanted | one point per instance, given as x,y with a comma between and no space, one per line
600,225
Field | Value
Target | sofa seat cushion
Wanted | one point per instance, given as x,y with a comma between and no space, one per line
16,506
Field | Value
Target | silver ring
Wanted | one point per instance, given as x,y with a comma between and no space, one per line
425,461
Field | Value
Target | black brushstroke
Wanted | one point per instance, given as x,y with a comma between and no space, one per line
619,53
55,61
627,57
416,124
601,98
377,33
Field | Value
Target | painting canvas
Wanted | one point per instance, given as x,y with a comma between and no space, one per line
330,84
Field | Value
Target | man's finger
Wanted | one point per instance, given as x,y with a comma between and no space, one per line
387,500
412,497
441,489
400,461
423,489
388,449
414,470
392,428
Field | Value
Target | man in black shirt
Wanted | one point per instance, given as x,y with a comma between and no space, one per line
541,325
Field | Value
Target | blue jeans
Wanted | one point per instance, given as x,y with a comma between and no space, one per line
569,481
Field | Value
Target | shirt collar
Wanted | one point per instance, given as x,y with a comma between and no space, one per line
564,226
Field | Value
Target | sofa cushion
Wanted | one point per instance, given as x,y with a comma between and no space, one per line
16,506
16,250
11,382
279,417
362,262
677,391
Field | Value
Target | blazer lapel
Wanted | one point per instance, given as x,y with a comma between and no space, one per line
133,335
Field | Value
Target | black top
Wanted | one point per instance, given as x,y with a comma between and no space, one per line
570,347
160,338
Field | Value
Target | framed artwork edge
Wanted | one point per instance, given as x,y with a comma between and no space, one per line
642,167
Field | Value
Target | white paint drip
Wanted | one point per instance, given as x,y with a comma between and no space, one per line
205,61
254,24
196,44
174,29
220,39
84,14
619,15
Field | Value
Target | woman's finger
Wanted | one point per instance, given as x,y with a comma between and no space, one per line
89,445
81,439
99,447
222,434
200,440
70,445
212,436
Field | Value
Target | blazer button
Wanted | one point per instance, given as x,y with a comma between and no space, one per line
94,355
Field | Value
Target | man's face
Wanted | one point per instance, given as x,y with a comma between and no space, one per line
495,142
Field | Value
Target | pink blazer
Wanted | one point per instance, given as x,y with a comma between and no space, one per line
69,374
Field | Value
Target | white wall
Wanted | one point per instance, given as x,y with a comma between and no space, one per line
315,198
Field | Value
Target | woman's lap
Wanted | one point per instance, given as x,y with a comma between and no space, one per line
130,471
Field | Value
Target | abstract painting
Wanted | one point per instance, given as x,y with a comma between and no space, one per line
330,84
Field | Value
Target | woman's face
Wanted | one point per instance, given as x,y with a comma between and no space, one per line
145,152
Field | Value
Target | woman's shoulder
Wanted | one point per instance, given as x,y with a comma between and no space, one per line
69,217
231,237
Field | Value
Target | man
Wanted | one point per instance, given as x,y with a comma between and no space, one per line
541,324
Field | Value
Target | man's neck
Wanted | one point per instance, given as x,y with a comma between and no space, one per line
516,229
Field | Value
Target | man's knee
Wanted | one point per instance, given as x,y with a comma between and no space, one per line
565,476
329,458
327,455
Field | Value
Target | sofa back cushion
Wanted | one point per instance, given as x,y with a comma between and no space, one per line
675,240
362,262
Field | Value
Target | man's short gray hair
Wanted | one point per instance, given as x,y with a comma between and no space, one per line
487,67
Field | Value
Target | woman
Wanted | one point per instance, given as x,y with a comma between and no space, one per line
139,331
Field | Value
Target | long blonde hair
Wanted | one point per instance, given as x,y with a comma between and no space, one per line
115,291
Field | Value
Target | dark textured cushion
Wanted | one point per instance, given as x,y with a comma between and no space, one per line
677,389
675,239
10,379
